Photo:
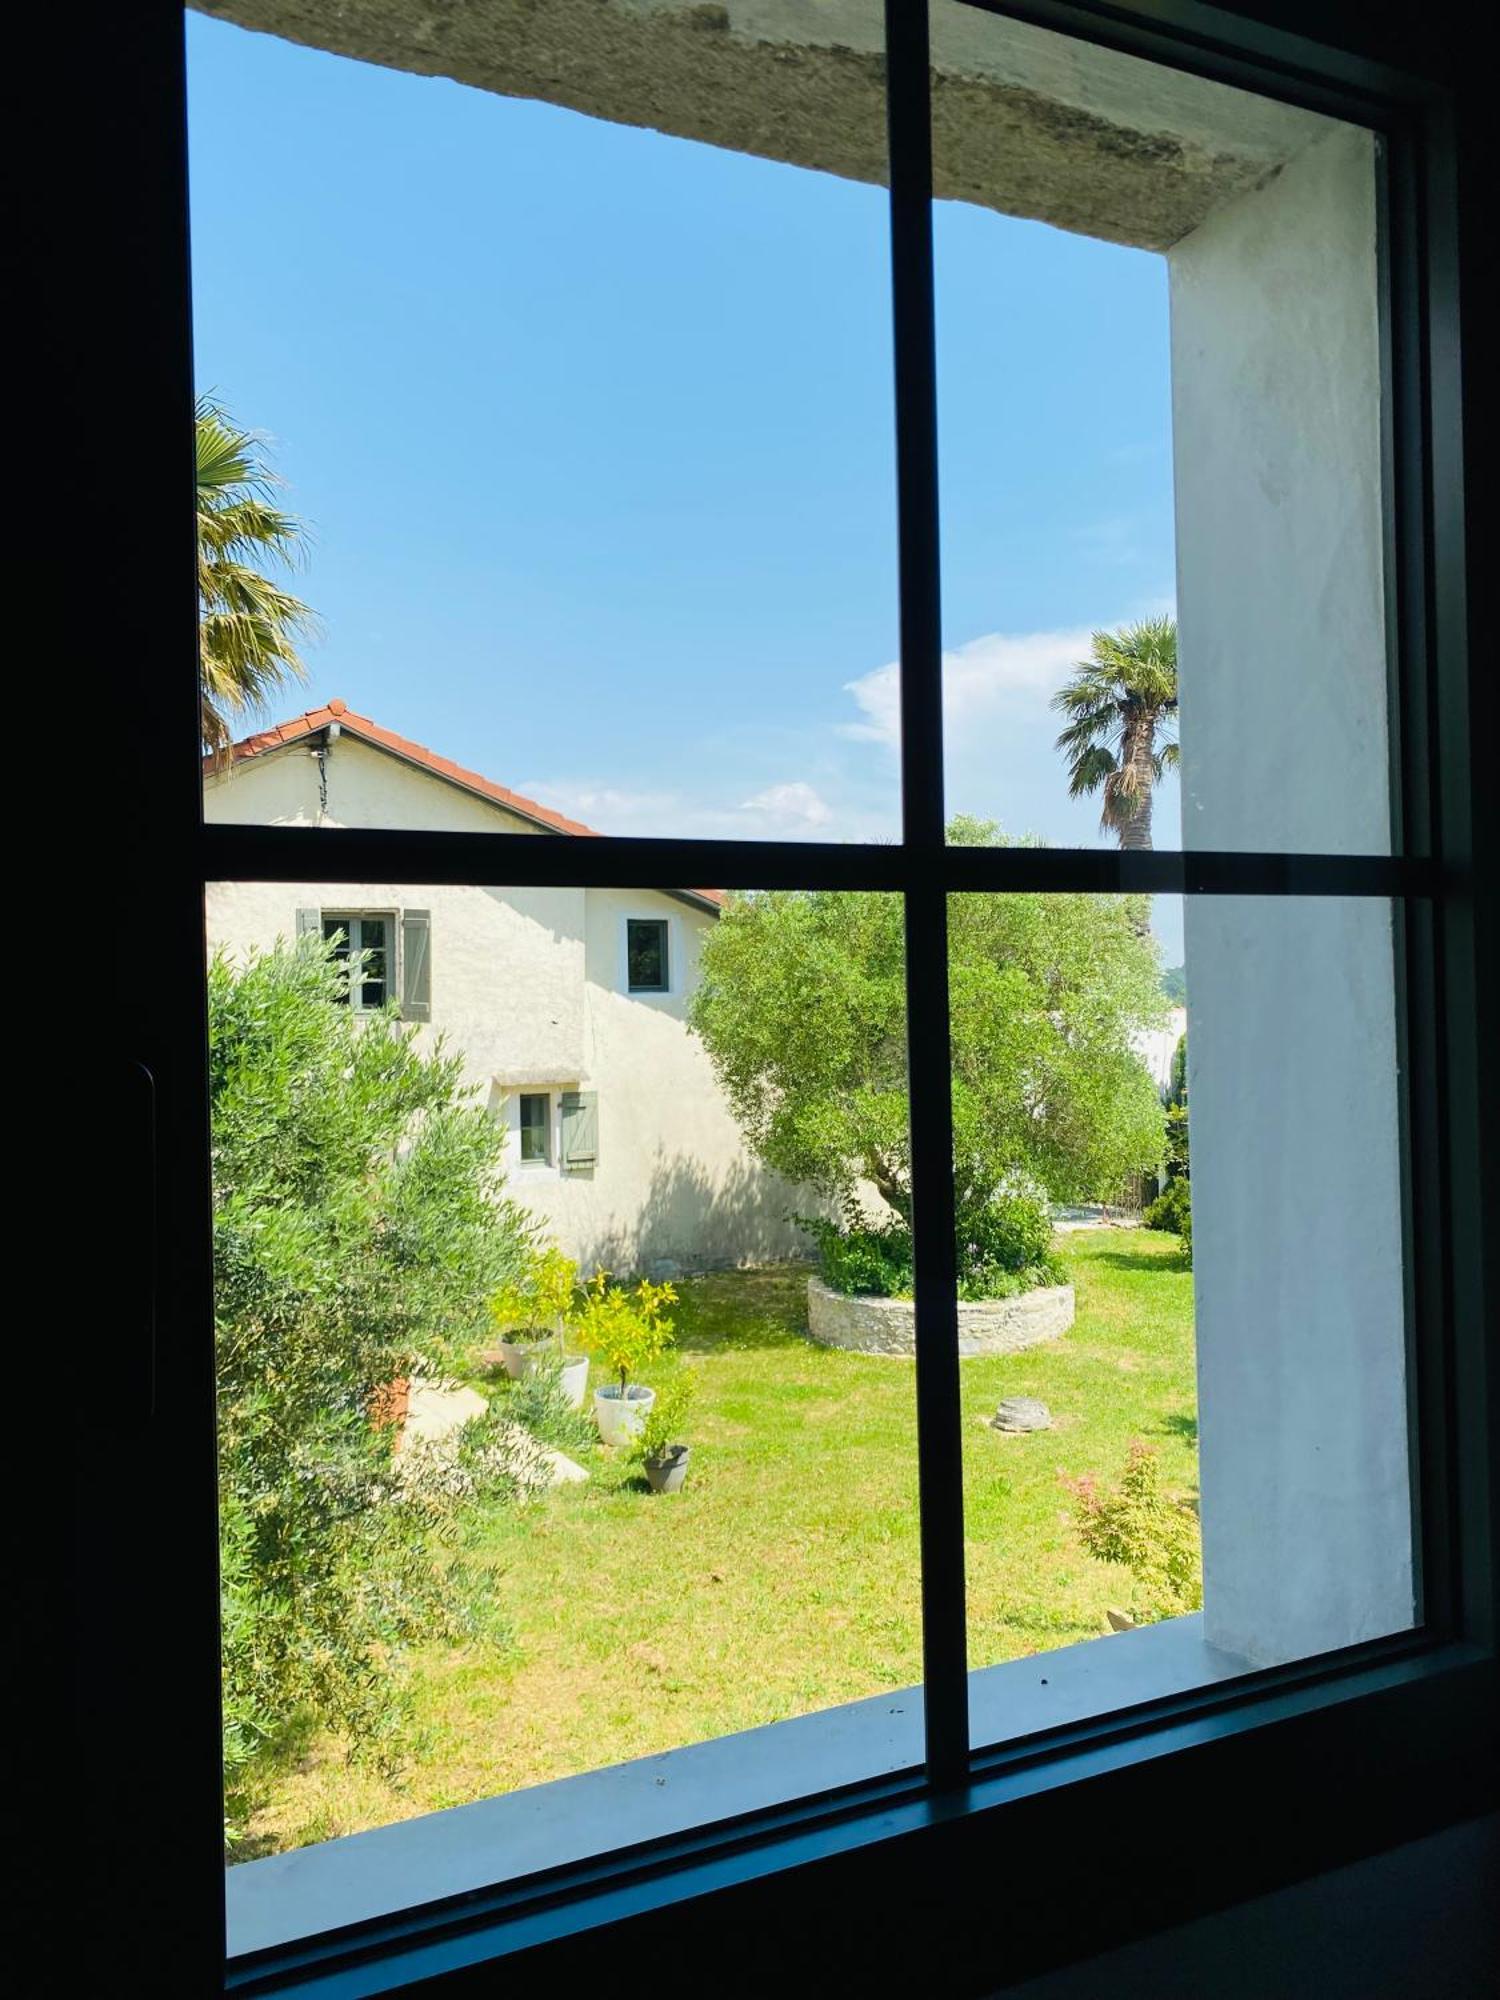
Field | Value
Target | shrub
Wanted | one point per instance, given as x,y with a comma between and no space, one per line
537,1299
358,1232
666,1423
1150,1532
1171,1208
538,1405
858,1257
1004,1248
625,1328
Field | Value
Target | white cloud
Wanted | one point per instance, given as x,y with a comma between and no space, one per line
607,807
979,679
793,809
794,801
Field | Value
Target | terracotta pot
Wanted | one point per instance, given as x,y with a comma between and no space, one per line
389,1404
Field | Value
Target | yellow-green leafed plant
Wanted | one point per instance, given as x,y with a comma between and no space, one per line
625,1328
1150,1532
541,1297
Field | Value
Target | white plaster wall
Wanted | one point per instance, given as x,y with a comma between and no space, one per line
676,1179
366,787
1277,462
1291,1029
526,985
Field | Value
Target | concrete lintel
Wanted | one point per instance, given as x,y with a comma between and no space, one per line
1026,122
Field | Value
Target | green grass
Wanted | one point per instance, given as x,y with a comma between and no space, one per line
784,1577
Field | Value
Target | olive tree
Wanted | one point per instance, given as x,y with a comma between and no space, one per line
359,1232
801,1007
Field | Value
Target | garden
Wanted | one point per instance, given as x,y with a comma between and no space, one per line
784,1576
665,1508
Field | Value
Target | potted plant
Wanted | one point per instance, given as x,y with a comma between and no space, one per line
663,1450
626,1329
534,1307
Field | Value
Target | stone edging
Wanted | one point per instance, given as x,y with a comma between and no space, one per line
985,1326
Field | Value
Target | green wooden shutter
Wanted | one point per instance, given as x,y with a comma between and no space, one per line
580,1131
416,965
310,923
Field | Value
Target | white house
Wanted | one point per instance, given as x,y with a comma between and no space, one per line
1157,1048
567,1006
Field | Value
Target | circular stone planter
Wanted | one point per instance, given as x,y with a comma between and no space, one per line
985,1326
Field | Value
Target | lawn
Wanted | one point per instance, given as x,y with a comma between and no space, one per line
784,1577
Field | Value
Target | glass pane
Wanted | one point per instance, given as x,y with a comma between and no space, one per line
578,393
647,943
1181,1309
535,1116
1159,392
420,1616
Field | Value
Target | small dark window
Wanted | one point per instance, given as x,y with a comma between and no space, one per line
646,954
536,1126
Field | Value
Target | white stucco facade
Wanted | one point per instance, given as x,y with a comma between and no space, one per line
528,987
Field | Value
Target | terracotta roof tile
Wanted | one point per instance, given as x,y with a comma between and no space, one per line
361,727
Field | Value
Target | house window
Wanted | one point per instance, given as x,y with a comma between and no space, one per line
367,940
648,968
1315,917
534,1121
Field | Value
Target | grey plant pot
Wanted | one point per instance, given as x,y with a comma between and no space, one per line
666,1474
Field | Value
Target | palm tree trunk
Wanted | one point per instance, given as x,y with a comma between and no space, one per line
1135,829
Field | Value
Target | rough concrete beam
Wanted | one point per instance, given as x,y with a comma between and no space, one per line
1025,122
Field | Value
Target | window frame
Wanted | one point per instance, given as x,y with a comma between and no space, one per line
390,979
1420,1709
546,1160
663,926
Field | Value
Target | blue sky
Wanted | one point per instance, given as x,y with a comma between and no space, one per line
593,431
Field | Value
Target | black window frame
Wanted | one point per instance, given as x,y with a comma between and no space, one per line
664,935
1402,1733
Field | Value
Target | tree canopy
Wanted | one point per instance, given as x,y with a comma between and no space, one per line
801,1007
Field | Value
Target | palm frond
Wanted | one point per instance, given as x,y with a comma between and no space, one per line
1094,768
249,625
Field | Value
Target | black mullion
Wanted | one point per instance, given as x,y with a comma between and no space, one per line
930,1112
226,853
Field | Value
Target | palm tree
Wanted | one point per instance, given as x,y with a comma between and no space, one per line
248,626
1121,706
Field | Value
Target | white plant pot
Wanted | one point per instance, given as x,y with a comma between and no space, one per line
516,1358
622,1418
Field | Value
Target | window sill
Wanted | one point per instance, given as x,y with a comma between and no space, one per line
367,1876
